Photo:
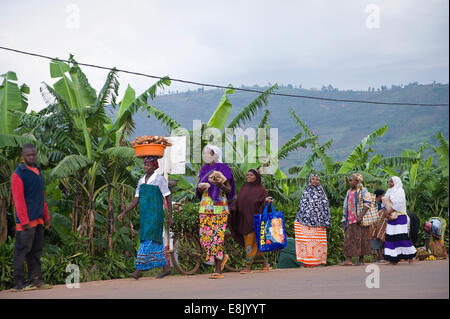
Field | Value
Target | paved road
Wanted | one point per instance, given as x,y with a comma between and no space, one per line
421,280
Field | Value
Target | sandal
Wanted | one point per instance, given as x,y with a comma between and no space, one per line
25,288
216,275
265,268
346,264
245,271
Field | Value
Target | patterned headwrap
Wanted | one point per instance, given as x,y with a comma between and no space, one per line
359,178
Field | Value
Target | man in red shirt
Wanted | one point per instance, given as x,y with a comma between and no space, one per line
31,216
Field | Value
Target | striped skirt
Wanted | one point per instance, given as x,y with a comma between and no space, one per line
397,245
150,255
310,244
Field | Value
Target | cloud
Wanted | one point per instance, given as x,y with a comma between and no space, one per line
312,43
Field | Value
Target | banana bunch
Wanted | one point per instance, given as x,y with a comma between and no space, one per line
151,139
431,257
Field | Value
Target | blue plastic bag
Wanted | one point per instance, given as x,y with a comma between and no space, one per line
270,230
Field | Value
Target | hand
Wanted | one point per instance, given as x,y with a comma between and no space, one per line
47,224
269,199
203,186
26,227
121,216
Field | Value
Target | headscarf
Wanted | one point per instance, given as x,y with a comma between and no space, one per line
314,210
153,160
397,196
250,201
217,152
360,180
208,169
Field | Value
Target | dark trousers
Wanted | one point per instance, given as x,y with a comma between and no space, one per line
29,244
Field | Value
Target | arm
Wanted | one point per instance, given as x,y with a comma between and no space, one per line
169,209
132,205
19,201
226,187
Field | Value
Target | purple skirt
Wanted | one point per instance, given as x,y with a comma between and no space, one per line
397,245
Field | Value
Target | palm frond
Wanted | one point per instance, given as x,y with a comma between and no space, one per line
69,166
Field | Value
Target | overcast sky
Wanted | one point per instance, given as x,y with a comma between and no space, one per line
348,44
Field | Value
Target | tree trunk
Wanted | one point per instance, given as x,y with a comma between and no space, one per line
3,221
91,226
111,224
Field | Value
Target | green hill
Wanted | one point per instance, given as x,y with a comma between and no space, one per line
345,123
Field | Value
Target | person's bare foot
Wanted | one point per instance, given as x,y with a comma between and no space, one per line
136,274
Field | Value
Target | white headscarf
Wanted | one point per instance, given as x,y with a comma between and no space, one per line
217,152
397,196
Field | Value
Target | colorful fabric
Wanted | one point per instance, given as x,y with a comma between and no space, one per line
314,209
150,255
251,249
311,244
378,230
214,191
212,235
151,213
208,206
371,216
354,203
397,245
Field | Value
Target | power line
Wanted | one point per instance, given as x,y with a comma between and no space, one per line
221,86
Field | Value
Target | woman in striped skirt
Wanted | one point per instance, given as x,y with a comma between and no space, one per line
311,223
397,245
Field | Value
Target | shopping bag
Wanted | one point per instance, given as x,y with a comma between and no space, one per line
270,230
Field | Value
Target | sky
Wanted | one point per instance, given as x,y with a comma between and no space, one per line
350,44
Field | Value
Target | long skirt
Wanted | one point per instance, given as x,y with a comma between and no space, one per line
251,249
310,244
357,241
212,235
397,245
150,255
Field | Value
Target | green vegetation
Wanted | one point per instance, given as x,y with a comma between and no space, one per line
91,172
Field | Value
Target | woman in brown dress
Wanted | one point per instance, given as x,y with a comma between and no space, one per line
251,200
357,237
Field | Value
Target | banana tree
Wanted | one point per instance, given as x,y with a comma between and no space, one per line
94,132
12,98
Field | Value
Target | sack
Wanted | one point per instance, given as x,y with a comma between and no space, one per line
371,217
270,230
388,204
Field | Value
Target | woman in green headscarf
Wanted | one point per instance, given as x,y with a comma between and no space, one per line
150,193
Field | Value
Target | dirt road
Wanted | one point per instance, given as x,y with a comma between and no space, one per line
420,280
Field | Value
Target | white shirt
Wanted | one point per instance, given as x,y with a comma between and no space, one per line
156,180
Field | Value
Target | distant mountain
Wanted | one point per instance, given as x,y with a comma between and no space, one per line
345,123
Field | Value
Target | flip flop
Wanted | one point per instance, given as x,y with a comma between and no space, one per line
346,264
224,261
265,269
216,275
43,286
26,288
245,271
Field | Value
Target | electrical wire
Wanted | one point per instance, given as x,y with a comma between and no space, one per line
221,86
